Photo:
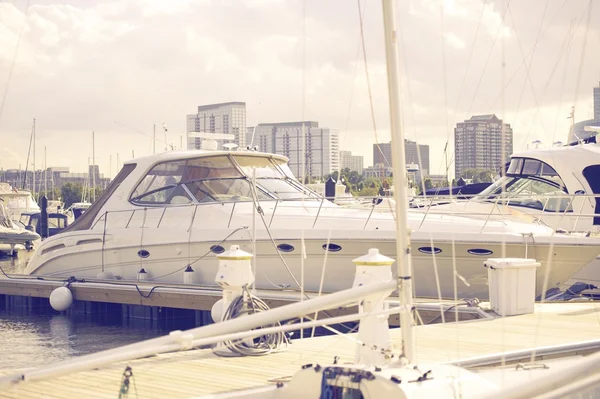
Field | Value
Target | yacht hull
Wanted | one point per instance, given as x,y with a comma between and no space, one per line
84,256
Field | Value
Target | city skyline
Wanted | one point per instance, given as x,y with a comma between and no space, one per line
104,67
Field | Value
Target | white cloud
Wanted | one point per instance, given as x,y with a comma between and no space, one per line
455,41
83,66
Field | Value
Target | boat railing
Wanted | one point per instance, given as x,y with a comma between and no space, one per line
541,209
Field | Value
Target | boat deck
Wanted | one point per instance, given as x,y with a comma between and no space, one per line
200,372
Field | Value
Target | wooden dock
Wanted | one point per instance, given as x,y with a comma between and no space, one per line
200,372
155,301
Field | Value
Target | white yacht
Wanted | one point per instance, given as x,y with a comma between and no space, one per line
167,211
558,186
17,201
12,235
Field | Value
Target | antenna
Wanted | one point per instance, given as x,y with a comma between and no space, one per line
33,187
164,126
93,168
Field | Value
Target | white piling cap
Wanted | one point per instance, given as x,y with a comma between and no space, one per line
234,253
373,258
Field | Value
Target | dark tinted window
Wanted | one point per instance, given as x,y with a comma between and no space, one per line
592,175
532,167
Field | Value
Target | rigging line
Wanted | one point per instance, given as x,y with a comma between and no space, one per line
464,78
24,181
303,148
583,47
523,61
562,52
412,104
462,84
14,59
517,70
268,230
364,54
563,80
488,58
141,132
527,66
445,80
354,73
323,269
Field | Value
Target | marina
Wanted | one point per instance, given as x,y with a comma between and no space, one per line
199,373
260,258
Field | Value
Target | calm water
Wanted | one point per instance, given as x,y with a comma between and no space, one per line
31,338
35,338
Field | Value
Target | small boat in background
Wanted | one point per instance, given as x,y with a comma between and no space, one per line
12,235
17,201
75,210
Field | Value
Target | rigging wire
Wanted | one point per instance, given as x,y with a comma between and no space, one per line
527,66
563,80
14,59
583,47
562,51
368,80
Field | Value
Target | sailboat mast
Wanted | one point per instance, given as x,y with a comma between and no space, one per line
403,259
45,172
93,168
33,183
153,139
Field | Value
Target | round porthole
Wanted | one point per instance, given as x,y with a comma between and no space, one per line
217,249
332,247
480,251
142,253
430,250
285,247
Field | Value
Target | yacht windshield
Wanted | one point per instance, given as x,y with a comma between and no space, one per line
529,183
222,178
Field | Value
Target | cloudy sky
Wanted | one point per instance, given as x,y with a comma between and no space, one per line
117,68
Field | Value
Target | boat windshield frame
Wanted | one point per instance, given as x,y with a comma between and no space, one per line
219,178
533,175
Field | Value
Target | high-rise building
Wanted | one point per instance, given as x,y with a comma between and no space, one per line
482,142
417,154
312,151
224,118
352,162
382,154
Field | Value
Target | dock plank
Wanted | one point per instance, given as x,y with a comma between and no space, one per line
200,372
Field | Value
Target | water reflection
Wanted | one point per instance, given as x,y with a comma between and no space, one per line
15,264
38,336
34,340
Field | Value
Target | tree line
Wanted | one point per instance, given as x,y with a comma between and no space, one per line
358,185
71,192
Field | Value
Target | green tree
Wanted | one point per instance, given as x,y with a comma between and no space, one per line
428,184
369,192
484,176
71,192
